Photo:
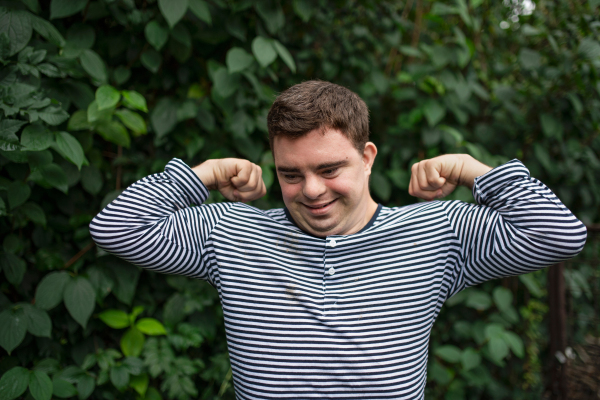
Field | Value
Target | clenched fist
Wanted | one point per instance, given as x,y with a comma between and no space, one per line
236,179
438,177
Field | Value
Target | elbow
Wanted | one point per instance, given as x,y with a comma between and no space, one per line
95,228
573,239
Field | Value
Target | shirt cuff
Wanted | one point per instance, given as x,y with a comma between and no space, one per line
187,180
491,182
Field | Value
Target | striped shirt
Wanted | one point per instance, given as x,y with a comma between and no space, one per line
341,317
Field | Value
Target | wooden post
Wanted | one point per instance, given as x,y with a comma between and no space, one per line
558,332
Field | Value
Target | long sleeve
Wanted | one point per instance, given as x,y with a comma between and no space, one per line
518,226
152,223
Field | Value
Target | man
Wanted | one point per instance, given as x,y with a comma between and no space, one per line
335,296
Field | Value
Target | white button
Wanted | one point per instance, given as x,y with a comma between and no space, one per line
331,271
332,243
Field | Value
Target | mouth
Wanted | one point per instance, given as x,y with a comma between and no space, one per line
319,209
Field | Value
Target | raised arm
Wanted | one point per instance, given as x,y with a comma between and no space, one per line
518,225
152,223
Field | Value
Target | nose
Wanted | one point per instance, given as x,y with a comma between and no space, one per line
313,187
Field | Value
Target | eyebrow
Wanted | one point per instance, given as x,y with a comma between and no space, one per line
320,166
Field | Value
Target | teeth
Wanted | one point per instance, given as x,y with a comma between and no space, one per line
324,205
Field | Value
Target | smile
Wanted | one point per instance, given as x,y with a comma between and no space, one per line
319,209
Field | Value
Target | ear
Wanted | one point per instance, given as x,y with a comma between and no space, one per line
369,154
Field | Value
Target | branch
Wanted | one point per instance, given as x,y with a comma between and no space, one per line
79,255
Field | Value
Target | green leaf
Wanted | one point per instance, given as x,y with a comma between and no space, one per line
132,120
34,212
529,281
151,59
121,74
515,343
264,51
85,386
8,129
271,13
153,394
303,9
200,9
62,388
14,383
173,10
91,180
164,116
36,137
470,359
13,267
139,383
81,36
40,385
38,321
497,348
93,65
134,100
80,299
53,115
49,292
55,176
2,208
238,60
225,84
156,35
132,342
116,319
79,121
65,8
70,148
150,326
530,59
434,112
438,373
551,127
589,48
502,297
449,353
13,327
95,115
107,97
119,376
285,55
47,30
380,185
114,132
18,193
17,26
478,300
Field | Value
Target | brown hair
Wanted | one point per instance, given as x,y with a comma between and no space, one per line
317,104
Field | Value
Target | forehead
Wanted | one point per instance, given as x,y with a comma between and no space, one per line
314,148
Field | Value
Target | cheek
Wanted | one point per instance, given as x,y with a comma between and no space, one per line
344,185
289,192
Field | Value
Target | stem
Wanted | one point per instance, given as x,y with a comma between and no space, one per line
79,255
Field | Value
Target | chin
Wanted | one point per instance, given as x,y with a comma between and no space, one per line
324,230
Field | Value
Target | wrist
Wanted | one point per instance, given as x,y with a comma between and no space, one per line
206,173
471,169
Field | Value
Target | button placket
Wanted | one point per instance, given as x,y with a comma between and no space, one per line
329,271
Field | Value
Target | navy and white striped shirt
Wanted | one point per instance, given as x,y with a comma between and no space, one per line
345,316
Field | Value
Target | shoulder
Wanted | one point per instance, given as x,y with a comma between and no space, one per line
244,211
417,211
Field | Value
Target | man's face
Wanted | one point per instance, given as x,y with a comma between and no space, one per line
325,181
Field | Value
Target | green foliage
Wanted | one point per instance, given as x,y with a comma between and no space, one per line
95,95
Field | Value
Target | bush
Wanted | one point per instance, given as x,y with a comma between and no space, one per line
97,94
